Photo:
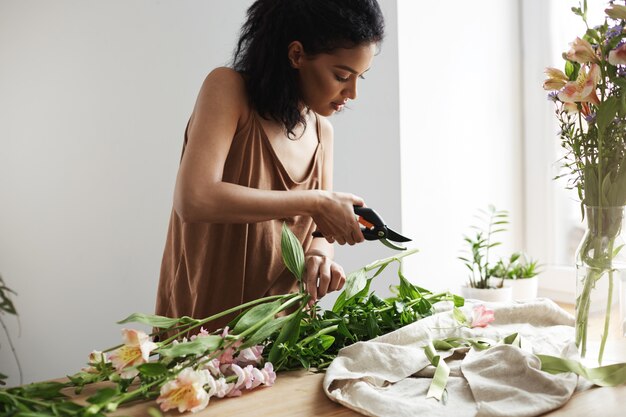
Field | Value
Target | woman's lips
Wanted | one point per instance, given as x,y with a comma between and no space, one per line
337,106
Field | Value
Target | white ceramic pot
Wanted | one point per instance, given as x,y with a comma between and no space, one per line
523,289
487,294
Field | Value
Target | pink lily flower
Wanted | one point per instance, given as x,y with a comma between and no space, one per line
582,52
250,356
268,374
618,56
213,366
556,79
245,376
583,89
186,392
482,316
136,350
219,387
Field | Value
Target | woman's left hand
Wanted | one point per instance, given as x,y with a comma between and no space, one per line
322,275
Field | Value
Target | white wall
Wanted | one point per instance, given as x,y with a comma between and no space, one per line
461,131
94,97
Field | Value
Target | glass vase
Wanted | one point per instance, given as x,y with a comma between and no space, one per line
600,286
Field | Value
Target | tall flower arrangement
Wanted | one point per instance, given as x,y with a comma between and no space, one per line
590,99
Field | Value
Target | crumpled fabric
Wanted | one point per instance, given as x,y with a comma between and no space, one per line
390,375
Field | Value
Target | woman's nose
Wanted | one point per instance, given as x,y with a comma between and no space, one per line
350,91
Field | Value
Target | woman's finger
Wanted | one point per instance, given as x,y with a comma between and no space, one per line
312,273
324,277
337,275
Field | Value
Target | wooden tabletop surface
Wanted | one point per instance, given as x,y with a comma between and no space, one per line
300,394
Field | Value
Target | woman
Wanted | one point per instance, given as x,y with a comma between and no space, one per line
258,152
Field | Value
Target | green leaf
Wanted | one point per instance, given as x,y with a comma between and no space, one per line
442,345
460,317
512,339
152,369
151,320
355,282
372,326
287,336
293,255
254,315
326,341
265,331
606,112
103,395
458,301
44,390
197,346
604,376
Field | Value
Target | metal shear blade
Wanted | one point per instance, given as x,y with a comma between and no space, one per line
376,229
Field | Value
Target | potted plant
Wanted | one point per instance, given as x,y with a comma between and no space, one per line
520,273
495,281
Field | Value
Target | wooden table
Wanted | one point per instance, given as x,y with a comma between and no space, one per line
300,394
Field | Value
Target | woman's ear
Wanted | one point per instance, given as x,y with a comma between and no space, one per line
295,53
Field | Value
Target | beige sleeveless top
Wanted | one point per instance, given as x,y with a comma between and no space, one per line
208,267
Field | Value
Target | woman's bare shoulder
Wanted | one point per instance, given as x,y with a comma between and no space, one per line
227,81
224,88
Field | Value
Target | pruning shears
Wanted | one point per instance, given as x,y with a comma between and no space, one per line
375,229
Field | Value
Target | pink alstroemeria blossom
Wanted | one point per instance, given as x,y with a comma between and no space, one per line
556,79
582,52
618,55
203,333
227,356
96,357
136,350
481,316
583,89
616,11
186,392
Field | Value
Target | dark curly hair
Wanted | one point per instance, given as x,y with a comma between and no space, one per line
320,25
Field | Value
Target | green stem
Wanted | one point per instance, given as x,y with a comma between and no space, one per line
224,313
318,334
131,395
388,260
17,361
607,318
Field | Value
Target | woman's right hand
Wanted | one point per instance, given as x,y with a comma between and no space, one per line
335,217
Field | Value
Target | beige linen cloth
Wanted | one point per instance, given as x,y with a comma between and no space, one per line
390,375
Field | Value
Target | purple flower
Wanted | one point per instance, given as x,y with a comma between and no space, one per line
553,96
621,70
591,118
613,32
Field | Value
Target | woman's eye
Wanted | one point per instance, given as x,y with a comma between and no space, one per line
341,79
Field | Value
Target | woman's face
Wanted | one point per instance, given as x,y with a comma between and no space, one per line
328,80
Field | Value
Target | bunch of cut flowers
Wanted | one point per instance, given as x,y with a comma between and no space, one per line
590,99
268,335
